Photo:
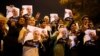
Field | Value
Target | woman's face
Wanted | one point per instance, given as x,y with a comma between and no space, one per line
31,21
86,20
43,24
37,15
73,27
21,21
46,20
61,22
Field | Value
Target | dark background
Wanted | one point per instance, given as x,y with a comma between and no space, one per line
45,7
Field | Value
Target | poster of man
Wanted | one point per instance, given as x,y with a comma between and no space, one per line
10,9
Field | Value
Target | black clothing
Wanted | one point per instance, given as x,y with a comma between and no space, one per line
11,45
80,47
32,43
92,48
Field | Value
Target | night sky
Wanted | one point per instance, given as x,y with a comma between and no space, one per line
45,7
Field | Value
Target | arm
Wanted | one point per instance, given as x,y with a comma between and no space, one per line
22,34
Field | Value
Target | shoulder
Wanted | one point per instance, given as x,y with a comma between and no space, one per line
23,29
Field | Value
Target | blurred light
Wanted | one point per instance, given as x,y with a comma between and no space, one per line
62,2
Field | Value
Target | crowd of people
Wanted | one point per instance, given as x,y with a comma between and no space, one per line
25,35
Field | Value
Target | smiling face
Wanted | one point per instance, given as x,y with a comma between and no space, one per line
31,21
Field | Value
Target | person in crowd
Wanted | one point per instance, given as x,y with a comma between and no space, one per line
85,22
83,37
21,12
60,23
46,40
37,18
73,33
82,27
91,25
31,47
20,24
10,41
46,19
29,27
3,32
48,25
44,30
26,33
90,39
61,44
54,25
91,46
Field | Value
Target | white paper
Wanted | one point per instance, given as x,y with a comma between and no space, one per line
29,34
68,13
25,8
9,10
87,34
86,38
60,33
89,31
31,28
72,38
53,17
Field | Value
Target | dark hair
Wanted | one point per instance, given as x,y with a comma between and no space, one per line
42,21
68,19
69,27
85,16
